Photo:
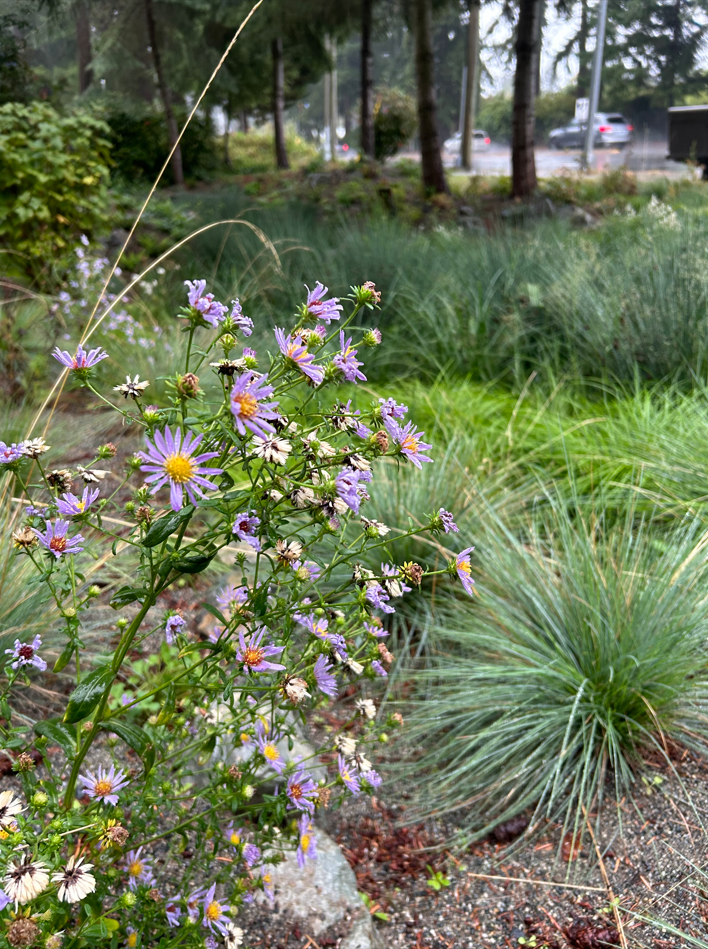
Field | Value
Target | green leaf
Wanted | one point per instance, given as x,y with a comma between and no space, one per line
193,561
215,612
165,526
124,596
135,738
87,694
66,654
260,601
60,733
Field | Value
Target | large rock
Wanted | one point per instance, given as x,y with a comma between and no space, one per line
321,896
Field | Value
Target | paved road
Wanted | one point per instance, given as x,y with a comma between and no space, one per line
638,158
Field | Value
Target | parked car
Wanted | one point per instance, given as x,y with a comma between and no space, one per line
453,146
612,130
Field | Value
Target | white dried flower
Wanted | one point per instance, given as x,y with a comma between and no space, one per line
75,881
132,387
34,447
273,450
25,880
367,708
9,807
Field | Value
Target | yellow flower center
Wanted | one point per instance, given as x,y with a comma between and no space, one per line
251,656
179,468
103,787
245,737
4,835
410,443
135,868
213,911
132,939
247,404
57,543
295,793
465,567
235,839
305,842
270,752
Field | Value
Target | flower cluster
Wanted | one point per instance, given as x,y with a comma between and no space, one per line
164,797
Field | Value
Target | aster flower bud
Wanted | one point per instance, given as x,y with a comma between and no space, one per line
249,358
152,414
129,507
108,450
128,900
372,338
39,799
93,591
188,385
412,572
227,343
134,462
248,791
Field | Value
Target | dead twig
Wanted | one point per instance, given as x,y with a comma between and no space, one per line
564,886
603,871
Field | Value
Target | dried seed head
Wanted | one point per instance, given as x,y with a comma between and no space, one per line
234,772
412,572
295,689
24,538
154,895
60,479
24,763
380,441
115,834
323,796
144,514
188,385
386,656
23,932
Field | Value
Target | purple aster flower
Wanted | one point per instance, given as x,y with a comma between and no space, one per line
392,409
10,453
251,855
377,596
215,915
372,778
169,458
254,656
244,323
301,790
308,842
339,644
173,913
346,360
326,682
379,669
267,881
247,407
173,626
375,630
408,441
447,521
317,625
249,353
211,942
32,511
193,901
464,569
234,835
313,569
4,900
56,541
104,785
139,869
348,776
232,598
362,431
204,303
82,359
71,506
349,486
245,527
25,654
326,310
269,750
295,350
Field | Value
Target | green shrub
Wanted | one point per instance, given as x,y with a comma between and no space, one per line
395,121
581,652
139,145
53,175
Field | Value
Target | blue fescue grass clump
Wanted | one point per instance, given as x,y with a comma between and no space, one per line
583,649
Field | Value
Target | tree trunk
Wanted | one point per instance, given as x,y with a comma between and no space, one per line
244,122
172,130
431,160
539,44
367,81
675,52
281,155
523,161
83,45
583,87
471,87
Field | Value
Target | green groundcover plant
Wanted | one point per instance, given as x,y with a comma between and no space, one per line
271,472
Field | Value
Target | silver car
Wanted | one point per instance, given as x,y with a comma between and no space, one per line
615,131
452,147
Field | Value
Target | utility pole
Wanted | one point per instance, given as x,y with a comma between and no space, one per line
330,102
470,83
587,156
